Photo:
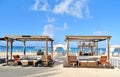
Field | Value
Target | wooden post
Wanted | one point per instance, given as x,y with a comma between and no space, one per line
96,47
7,51
108,49
24,48
46,47
80,46
11,47
67,47
52,47
67,51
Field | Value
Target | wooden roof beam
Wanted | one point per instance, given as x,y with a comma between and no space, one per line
29,38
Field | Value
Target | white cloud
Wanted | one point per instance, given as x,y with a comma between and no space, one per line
41,5
88,12
48,30
100,33
62,7
75,8
35,7
70,7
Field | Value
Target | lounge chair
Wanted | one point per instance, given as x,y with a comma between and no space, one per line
2,59
103,61
47,62
40,52
16,60
50,61
72,60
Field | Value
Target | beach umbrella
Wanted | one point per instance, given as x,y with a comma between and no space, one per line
117,47
59,45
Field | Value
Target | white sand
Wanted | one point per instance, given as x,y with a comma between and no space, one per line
60,71
2,54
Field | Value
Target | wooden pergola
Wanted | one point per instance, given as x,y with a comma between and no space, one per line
2,39
95,39
25,38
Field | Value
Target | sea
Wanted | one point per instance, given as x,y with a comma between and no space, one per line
59,49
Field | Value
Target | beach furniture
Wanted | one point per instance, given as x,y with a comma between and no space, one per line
47,61
16,60
103,61
86,54
82,62
50,61
86,61
29,62
92,63
40,52
72,60
2,59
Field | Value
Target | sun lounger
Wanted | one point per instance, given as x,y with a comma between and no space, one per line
103,61
2,59
71,60
47,62
28,62
16,60
92,63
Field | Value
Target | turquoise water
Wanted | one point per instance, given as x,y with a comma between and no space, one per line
35,49
21,49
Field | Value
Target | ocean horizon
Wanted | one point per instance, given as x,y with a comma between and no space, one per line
60,50
36,48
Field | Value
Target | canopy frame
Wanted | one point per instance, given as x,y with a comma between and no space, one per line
25,38
89,39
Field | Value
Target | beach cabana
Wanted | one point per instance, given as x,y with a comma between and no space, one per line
59,45
2,59
94,39
113,47
24,38
2,39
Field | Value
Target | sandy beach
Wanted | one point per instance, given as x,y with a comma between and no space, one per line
59,38
56,71
3,54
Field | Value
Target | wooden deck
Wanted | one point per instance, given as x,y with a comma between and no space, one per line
87,66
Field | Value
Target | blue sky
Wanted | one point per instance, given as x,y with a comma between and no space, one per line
58,18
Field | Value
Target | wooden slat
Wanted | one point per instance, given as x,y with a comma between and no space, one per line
87,38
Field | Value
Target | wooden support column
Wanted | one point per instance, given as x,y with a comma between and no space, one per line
52,47
80,46
67,41
46,47
108,49
67,49
11,47
7,51
24,48
96,47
